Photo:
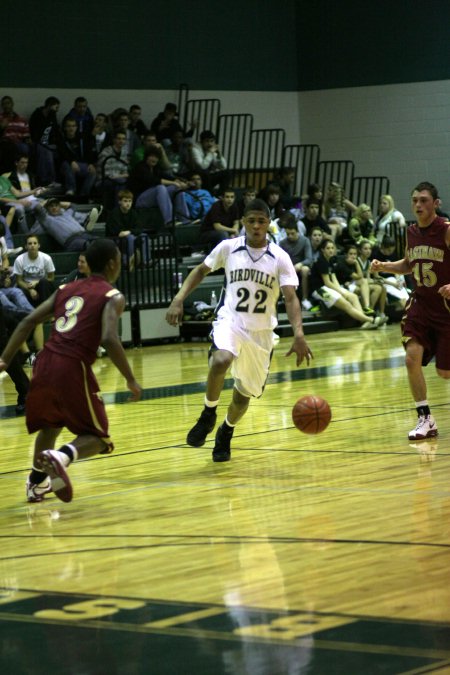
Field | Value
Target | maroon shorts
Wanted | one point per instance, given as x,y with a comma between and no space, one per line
64,393
432,332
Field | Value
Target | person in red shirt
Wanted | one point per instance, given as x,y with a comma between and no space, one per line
86,314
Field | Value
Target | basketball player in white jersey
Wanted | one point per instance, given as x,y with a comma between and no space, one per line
255,272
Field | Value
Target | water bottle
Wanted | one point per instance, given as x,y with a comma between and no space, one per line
213,301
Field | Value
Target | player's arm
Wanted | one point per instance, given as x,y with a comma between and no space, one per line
174,315
111,342
299,345
445,290
42,313
402,266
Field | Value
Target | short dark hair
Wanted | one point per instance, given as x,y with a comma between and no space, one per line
288,221
152,150
51,100
388,241
170,106
311,201
207,135
257,205
99,253
429,187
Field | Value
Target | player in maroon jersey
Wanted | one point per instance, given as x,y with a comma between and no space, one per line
64,391
426,322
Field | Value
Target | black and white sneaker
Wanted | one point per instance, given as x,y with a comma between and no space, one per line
204,425
222,449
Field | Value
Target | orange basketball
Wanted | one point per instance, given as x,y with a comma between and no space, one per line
311,414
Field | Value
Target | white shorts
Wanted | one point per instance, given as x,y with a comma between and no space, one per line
328,296
252,351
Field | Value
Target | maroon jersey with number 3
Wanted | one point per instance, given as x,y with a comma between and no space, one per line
78,310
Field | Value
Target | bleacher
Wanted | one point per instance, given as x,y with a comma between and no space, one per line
253,155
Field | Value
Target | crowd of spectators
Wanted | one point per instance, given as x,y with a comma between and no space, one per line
49,165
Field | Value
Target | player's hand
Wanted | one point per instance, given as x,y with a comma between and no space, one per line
3,366
174,315
376,266
300,347
445,291
136,390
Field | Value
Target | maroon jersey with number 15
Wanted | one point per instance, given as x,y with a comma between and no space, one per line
430,261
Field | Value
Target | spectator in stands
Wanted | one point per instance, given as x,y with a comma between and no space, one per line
395,283
361,225
337,208
350,275
177,153
364,258
81,271
315,193
166,123
22,201
20,178
44,130
15,369
271,196
77,156
388,218
82,116
13,127
112,169
135,122
35,272
132,140
248,195
206,158
122,223
155,187
316,237
325,288
5,223
285,179
100,133
313,219
221,222
63,223
198,200
298,247
149,140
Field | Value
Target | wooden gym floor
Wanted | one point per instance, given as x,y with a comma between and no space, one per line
325,554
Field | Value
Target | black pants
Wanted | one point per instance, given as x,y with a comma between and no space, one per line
14,370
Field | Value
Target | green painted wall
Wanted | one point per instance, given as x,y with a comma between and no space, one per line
237,45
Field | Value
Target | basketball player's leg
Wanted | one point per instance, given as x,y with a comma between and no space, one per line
219,363
426,426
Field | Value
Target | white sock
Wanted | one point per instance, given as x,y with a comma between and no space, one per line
211,404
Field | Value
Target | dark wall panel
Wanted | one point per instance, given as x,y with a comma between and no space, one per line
351,43
150,44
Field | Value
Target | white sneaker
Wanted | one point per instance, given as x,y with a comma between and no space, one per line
426,428
306,305
54,464
14,251
100,351
35,493
91,219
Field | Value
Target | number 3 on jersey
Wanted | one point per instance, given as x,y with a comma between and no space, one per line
258,305
73,307
424,275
